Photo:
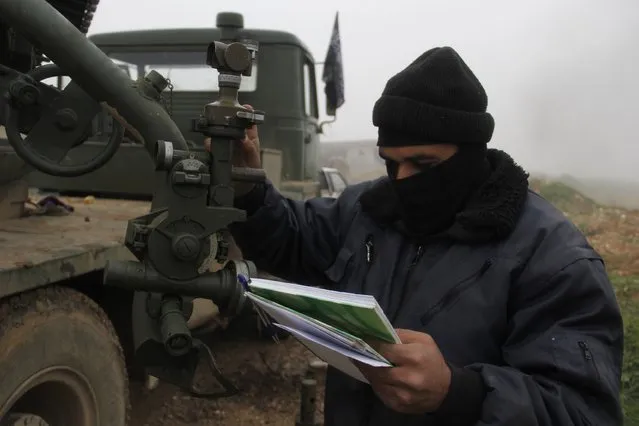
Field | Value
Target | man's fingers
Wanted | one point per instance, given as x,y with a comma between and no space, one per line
251,132
395,377
405,354
374,374
249,146
412,336
369,370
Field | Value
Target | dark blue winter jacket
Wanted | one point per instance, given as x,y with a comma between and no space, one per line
517,300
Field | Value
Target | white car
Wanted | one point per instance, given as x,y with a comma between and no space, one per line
332,183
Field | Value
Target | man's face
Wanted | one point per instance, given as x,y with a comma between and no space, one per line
406,161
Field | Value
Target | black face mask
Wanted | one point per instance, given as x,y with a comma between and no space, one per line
428,201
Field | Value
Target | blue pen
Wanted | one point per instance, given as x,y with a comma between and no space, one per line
242,279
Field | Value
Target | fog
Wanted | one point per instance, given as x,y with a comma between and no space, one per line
561,76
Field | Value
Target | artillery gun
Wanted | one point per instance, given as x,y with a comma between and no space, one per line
283,78
68,284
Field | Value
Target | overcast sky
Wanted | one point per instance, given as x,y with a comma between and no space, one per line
562,76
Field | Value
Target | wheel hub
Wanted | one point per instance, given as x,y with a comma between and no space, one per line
58,396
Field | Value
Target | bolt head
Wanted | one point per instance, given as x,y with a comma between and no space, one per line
186,246
66,119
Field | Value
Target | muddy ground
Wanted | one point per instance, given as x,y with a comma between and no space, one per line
267,373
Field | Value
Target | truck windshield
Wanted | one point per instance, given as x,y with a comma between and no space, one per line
187,71
130,69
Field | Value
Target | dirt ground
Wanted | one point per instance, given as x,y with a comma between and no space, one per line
614,233
268,375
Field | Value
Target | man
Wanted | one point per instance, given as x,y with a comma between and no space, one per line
505,312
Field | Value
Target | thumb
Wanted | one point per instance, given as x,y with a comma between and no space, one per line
248,146
412,336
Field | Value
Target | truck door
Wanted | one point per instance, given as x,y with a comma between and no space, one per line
311,125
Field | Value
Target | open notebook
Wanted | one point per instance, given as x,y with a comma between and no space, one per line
333,325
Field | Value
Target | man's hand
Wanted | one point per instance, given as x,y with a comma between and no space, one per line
245,154
419,381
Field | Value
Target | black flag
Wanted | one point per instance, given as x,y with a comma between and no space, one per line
333,75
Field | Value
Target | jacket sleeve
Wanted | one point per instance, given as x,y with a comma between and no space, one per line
293,240
563,351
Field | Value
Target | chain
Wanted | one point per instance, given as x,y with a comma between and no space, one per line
169,107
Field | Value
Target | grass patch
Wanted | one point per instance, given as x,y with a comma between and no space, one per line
627,289
564,197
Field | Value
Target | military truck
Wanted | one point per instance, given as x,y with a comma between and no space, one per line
65,339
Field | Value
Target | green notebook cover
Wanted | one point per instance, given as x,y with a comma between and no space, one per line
358,315
352,342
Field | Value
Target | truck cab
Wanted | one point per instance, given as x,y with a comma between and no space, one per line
283,83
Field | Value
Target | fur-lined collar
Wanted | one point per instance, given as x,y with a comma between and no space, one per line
490,214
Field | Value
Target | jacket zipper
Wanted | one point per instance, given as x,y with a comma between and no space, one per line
587,353
369,248
418,255
370,253
454,293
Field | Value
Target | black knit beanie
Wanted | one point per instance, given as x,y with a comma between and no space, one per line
436,99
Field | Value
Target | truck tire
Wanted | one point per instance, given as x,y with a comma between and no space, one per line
60,362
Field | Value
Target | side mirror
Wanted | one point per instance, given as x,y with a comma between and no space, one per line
320,127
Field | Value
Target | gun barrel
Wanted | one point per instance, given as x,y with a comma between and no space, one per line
222,287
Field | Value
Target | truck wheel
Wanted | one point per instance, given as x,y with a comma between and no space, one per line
60,362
